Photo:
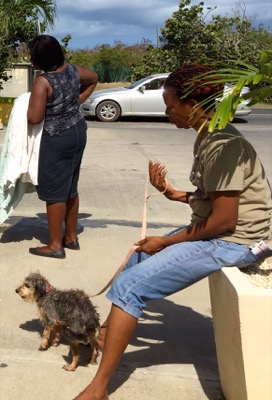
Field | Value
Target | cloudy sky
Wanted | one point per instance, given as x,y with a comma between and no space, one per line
92,23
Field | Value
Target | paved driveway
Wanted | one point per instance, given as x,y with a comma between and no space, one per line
172,354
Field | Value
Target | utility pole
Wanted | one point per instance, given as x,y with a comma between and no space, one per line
38,27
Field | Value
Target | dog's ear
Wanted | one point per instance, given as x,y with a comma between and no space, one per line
40,287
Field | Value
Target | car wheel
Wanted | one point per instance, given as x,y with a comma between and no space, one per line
108,111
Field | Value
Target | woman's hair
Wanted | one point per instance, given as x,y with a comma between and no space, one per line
46,53
187,87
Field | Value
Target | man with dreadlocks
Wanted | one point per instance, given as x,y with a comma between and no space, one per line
231,210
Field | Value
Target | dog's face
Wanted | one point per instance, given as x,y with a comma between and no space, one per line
33,287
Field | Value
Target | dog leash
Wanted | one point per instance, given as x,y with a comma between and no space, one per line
142,236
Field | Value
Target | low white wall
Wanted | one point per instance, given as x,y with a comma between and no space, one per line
242,318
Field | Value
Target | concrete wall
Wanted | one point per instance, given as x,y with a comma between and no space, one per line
20,82
242,318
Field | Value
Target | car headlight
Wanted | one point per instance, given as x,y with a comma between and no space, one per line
89,100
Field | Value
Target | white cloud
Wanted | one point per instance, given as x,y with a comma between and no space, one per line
261,10
105,21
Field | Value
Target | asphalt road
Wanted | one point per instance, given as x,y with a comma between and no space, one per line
259,116
257,128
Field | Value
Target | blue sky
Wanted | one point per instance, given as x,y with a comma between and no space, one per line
92,23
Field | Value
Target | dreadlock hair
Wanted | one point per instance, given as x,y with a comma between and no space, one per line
46,53
187,86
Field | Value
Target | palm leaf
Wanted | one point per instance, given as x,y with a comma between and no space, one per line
237,75
11,9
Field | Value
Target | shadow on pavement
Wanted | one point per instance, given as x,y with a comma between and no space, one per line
29,228
173,334
22,228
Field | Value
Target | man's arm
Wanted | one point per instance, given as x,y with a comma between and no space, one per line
157,177
222,219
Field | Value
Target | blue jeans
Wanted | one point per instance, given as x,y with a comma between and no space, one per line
172,269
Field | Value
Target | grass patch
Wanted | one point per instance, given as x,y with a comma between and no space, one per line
108,85
262,105
7,99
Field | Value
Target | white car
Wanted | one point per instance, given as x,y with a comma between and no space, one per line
141,98
242,108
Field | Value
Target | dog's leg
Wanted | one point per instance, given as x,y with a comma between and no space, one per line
46,337
94,352
74,347
57,333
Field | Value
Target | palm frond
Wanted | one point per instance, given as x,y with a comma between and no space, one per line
237,75
11,9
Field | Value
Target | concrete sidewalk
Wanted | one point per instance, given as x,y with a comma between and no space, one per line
172,354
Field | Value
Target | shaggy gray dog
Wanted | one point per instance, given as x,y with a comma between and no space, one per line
63,311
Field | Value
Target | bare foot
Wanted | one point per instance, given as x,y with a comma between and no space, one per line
89,394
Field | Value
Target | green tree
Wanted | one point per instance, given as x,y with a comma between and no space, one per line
64,44
236,39
188,38
15,12
86,58
19,22
113,63
181,41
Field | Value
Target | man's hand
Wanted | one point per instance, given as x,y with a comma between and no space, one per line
157,173
151,244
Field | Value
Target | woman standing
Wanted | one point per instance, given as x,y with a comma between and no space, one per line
231,210
55,98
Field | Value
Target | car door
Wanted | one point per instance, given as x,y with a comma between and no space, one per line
148,98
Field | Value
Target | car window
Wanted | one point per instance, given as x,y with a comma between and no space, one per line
133,85
155,84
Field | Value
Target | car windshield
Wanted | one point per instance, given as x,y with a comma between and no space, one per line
134,84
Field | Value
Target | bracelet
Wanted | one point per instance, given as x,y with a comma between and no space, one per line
165,190
155,193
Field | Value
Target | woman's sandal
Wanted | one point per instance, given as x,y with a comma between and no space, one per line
74,245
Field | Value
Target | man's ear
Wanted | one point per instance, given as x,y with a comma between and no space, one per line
193,103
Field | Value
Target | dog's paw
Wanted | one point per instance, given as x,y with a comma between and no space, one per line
69,367
55,344
42,348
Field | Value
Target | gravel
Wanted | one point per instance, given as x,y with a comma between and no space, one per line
260,274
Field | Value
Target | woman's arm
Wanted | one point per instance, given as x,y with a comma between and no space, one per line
223,219
88,81
157,176
37,102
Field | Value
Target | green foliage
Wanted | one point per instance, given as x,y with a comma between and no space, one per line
240,75
188,38
113,63
64,45
153,62
85,58
19,24
237,74
184,35
7,100
15,15
181,42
